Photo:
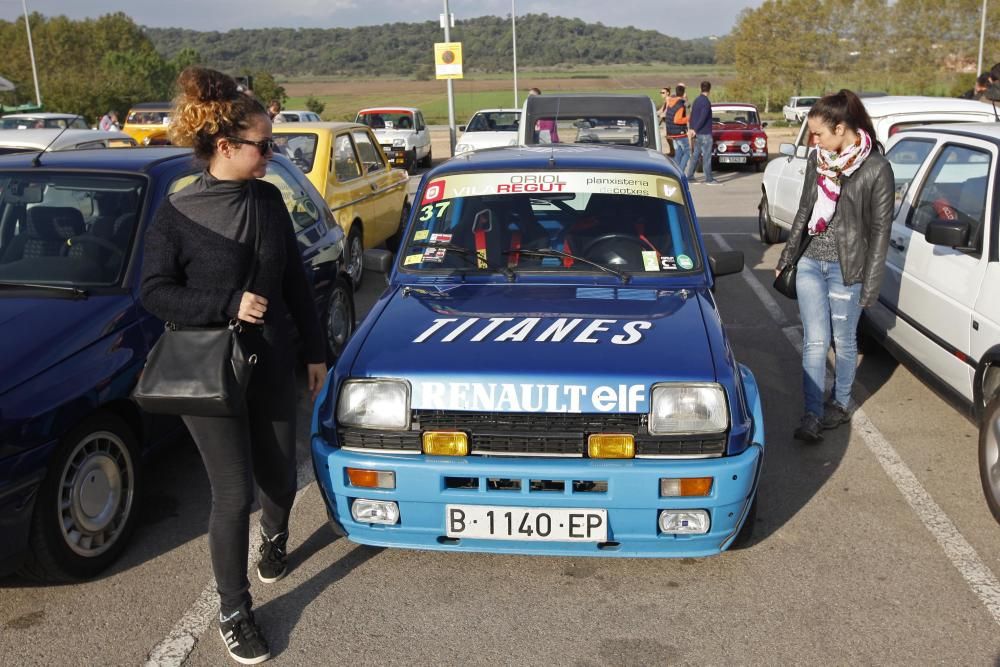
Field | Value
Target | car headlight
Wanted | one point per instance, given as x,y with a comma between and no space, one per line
398,143
688,408
375,403
463,148
760,142
722,148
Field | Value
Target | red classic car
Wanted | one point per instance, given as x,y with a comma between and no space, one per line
738,135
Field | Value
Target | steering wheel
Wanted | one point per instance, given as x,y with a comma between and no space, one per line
604,239
95,240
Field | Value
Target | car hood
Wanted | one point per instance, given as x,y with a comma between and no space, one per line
37,333
389,135
550,348
488,139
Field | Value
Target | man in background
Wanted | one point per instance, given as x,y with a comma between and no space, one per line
676,120
109,122
700,131
978,90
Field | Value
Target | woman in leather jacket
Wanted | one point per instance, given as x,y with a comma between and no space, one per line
845,216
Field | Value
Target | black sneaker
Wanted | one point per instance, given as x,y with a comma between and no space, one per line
834,415
273,563
809,429
243,639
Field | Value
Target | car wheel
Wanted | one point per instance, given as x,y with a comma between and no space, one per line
355,255
770,233
339,319
759,166
426,162
744,537
989,454
392,243
87,505
411,162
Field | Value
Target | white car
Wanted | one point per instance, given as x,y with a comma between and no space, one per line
783,176
297,116
24,141
939,303
489,128
24,121
797,108
402,133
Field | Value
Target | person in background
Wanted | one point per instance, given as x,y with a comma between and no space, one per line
109,121
199,251
992,93
978,90
676,121
846,208
273,109
546,125
700,132
661,113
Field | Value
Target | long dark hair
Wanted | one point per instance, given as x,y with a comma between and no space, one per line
845,107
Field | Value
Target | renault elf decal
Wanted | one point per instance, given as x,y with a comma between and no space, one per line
529,397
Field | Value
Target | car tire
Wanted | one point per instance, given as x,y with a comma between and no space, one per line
759,166
410,163
355,252
392,243
744,538
87,505
426,162
338,320
989,454
770,233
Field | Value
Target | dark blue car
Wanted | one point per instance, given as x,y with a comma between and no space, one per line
74,337
548,372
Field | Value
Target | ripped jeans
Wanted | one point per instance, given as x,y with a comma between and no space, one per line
827,307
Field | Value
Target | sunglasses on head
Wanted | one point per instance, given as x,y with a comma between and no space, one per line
264,145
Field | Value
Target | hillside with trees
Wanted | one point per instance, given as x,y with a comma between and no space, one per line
404,49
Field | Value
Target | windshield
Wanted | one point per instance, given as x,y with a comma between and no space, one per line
66,228
735,116
299,147
387,120
148,118
494,121
493,221
590,130
24,123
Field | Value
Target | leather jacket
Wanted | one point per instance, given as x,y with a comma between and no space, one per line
864,222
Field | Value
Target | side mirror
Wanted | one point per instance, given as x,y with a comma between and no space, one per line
379,261
787,149
461,128
801,152
950,233
725,263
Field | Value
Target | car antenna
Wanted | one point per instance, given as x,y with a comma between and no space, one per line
555,128
37,160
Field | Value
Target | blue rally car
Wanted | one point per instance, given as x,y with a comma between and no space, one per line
547,372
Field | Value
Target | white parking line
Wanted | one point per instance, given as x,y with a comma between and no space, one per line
958,550
175,648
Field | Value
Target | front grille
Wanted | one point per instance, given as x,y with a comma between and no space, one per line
550,434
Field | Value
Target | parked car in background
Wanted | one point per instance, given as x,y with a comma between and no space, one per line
297,116
41,120
783,176
346,165
797,108
489,128
738,135
588,118
402,133
22,141
939,304
75,338
147,123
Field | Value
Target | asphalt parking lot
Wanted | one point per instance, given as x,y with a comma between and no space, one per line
875,546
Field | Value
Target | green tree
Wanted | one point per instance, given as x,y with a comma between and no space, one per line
314,105
267,89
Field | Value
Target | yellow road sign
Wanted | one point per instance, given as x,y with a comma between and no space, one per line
448,60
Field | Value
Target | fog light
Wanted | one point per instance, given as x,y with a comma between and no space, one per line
671,487
372,479
722,148
684,522
375,511
611,446
745,148
446,443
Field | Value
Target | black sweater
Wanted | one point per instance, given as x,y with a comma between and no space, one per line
193,276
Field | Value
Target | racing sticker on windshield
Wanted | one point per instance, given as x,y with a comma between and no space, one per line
420,235
649,262
413,259
434,254
668,263
531,329
529,397
684,262
570,182
440,238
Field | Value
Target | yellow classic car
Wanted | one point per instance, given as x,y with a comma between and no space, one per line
346,164
147,123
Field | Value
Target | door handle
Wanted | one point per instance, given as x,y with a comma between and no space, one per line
374,186
898,245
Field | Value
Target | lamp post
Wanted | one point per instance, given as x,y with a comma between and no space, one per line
31,50
982,35
513,29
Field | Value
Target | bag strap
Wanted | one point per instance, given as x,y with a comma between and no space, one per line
253,210
803,244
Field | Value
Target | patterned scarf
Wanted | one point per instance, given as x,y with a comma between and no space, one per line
830,166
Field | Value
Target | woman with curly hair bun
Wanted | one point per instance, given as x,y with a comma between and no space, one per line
199,252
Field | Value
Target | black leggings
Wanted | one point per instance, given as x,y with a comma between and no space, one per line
239,450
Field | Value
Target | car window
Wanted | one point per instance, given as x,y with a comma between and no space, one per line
148,118
389,120
300,206
299,147
345,160
494,121
370,156
735,116
71,229
906,158
421,125
79,123
955,189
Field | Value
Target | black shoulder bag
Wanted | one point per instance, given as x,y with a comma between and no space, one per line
785,282
201,371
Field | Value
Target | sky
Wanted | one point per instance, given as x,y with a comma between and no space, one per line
678,18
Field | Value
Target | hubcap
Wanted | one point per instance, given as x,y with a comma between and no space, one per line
355,266
992,454
95,493
338,324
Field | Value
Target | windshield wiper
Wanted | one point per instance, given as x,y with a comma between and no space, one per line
464,253
72,292
547,252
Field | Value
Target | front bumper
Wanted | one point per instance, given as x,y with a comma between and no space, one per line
398,156
632,499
